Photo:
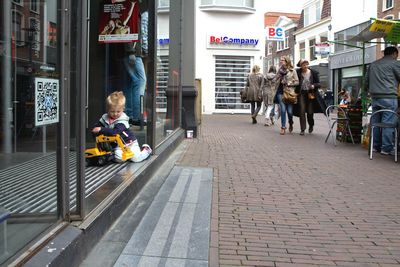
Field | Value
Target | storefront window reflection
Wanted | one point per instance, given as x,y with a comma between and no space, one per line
167,80
30,93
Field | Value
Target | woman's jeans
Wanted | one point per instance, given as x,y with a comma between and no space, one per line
134,91
386,143
285,108
306,106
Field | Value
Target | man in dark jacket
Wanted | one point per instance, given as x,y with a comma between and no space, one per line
383,78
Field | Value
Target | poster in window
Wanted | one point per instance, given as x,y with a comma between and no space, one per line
119,21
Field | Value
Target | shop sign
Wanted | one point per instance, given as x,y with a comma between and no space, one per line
46,101
322,49
352,58
119,22
228,40
275,34
390,27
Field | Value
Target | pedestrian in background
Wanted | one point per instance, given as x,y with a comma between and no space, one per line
269,91
383,78
307,95
286,76
254,85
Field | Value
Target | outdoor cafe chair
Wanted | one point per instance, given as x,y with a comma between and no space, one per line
383,125
337,115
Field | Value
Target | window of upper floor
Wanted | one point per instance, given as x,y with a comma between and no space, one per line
302,49
286,42
163,6
18,2
34,6
17,22
344,36
279,45
269,48
387,4
243,6
312,13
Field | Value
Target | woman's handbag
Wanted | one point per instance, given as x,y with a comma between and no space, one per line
243,95
289,95
311,95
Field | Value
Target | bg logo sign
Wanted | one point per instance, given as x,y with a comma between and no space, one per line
275,34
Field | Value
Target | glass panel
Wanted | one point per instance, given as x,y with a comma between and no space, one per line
312,50
238,3
167,85
207,2
230,78
249,3
163,3
30,99
118,59
339,37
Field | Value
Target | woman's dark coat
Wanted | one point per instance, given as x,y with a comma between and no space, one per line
318,103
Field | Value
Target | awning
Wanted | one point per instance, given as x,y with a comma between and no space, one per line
380,28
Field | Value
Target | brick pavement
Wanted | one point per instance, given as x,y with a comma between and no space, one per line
293,200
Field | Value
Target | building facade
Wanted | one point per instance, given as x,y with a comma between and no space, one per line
324,28
59,61
230,40
276,49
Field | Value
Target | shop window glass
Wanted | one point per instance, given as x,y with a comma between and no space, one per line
30,93
167,93
118,60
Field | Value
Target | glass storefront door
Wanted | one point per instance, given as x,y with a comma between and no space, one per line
30,101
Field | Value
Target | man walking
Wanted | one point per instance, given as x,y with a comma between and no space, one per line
383,78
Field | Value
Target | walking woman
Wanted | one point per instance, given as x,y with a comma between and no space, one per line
308,95
269,91
254,84
286,76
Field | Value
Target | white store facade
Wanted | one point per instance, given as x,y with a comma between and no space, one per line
229,41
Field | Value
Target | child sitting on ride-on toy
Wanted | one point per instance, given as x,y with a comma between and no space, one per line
116,122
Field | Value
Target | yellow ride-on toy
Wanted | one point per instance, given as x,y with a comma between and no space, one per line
102,153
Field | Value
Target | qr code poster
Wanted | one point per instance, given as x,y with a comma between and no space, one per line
46,101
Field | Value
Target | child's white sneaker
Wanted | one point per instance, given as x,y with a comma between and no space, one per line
147,148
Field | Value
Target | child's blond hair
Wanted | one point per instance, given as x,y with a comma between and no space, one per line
116,99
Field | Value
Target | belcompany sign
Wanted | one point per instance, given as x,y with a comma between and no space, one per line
231,42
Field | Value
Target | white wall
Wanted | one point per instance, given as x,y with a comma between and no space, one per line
224,24
346,13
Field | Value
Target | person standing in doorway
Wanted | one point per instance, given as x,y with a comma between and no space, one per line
254,84
286,76
269,91
308,93
382,79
